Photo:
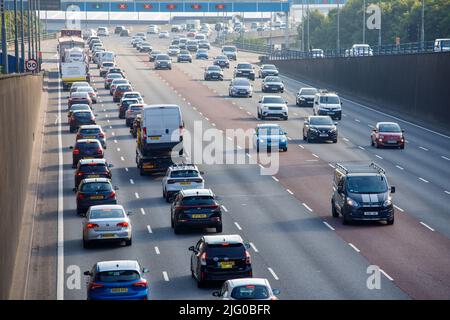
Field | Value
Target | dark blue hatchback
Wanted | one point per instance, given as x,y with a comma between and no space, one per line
93,192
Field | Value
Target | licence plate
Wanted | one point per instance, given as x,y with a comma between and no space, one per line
108,235
226,264
185,183
119,290
323,135
96,197
199,216
94,176
90,137
154,138
88,157
392,141
371,213
148,166
330,112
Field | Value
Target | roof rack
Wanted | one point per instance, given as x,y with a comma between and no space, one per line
323,91
378,168
373,165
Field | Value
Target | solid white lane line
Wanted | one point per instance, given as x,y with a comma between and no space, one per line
306,206
289,191
253,247
126,169
345,139
274,275
426,226
149,229
445,158
401,168
122,158
315,155
118,149
328,225
398,208
224,208
423,180
354,247
238,226
424,149
379,157
165,276
386,275
60,266
301,146
143,211
362,148
136,195
332,166
115,141
131,181
447,192
275,178
157,250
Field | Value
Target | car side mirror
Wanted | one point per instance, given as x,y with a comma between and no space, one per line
191,248
374,130
316,102
403,130
202,172
285,132
247,245
145,270
275,292
71,147
216,293
341,103
116,188
74,189
392,189
340,189
260,101
129,213
110,165
286,102
335,123
87,273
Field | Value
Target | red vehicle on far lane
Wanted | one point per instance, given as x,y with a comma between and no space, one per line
387,134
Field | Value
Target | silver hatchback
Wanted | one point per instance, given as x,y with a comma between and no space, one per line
106,223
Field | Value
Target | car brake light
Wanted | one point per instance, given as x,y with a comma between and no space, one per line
123,224
112,195
144,130
91,225
80,196
142,283
99,151
79,174
203,259
76,151
170,181
78,136
94,286
101,135
248,258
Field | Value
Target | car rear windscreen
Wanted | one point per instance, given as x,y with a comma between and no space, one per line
250,292
106,213
93,168
90,131
184,174
198,201
235,250
96,187
118,276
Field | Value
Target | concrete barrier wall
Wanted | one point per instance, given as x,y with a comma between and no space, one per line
20,97
415,86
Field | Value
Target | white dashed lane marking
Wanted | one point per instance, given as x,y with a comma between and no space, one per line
143,211
307,208
238,226
328,225
253,247
354,247
273,273
426,226
149,229
136,195
165,276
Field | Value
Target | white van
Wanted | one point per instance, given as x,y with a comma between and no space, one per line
162,127
441,45
74,55
105,56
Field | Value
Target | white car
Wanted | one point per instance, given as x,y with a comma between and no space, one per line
102,31
441,45
163,35
132,95
152,29
358,50
173,50
327,104
247,289
181,177
106,223
272,107
316,53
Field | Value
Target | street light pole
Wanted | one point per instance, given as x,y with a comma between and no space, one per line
364,22
4,45
22,36
379,31
338,44
422,31
29,28
303,25
307,26
39,34
16,37
35,31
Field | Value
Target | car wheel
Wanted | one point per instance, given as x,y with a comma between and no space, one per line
219,229
335,141
334,212
371,142
308,139
86,244
164,193
79,212
304,137
171,223
340,118
176,230
346,220
377,145
286,118
200,284
402,146
390,222
128,242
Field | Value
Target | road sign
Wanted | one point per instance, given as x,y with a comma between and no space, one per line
31,65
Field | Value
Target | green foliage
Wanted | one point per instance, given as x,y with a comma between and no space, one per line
399,18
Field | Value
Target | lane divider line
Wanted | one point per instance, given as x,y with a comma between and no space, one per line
426,226
238,226
328,225
149,229
224,208
274,275
354,247
386,275
307,207
397,166
136,195
423,180
253,247
165,276
131,181
275,178
143,211
157,250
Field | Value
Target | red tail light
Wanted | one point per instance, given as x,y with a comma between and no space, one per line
91,225
78,136
76,151
198,180
80,196
94,286
123,224
248,258
101,135
99,151
112,195
144,130
79,174
203,259
72,119
170,181
142,283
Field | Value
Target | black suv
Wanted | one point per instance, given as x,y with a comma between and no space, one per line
362,193
195,208
220,258
244,70
320,128
92,168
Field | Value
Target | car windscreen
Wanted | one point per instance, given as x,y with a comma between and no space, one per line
270,131
119,81
325,121
118,276
123,88
90,131
229,49
136,109
389,127
366,184
241,83
269,67
244,66
250,292
96,187
79,95
85,89
214,68
108,64
93,168
88,145
273,100
106,213
184,174
308,92
232,250
272,79
128,102
82,114
162,57
198,201
329,100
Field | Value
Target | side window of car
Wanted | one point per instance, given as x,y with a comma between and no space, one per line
199,244
224,291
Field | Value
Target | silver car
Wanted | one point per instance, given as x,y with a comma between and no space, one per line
247,289
106,223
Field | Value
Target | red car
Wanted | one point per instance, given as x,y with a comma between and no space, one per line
120,90
79,98
388,134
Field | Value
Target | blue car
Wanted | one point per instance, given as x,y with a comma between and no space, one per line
117,280
202,54
270,136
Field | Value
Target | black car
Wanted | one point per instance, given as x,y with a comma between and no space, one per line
195,208
272,84
222,61
118,29
268,70
305,97
213,73
124,105
153,54
86,149
220,258
79,118
184,56
125,33
93,192
244,70
92,131
319,128
362,193
92,168
163,61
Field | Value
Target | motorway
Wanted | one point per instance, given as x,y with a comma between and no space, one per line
286,217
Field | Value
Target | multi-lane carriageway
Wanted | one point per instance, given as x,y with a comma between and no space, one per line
295,242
